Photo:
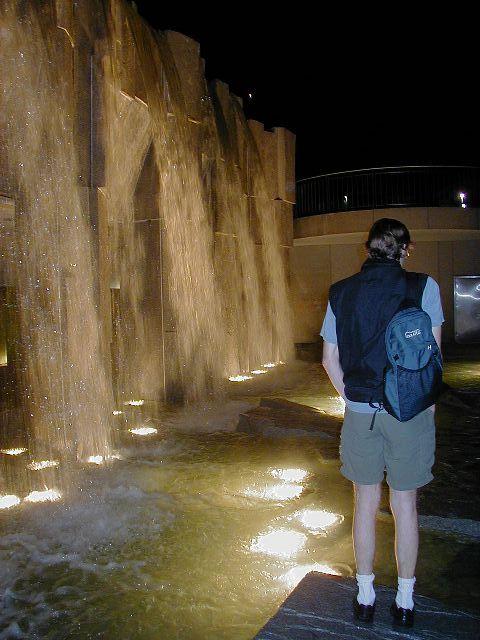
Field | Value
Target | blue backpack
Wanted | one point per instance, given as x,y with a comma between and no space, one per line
413,375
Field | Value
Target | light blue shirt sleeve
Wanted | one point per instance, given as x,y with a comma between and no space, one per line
432,303
329,327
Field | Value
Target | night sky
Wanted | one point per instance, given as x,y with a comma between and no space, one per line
359,91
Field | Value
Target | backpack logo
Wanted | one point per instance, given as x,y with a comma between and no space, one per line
411,334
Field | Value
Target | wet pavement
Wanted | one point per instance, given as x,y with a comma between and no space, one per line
201,531
454,491
449,507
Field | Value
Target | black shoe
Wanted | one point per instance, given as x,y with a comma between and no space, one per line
402,617
363,612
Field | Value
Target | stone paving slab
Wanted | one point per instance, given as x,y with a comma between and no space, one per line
320,608
455,526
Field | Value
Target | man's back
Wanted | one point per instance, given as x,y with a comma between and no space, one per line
363,306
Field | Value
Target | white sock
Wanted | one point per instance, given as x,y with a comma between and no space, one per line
404,596
366,592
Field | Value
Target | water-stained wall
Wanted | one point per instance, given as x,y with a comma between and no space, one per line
147,255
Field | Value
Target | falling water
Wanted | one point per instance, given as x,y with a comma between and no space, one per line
188,234
127,141
278,307
156,281
64,385
191,332
244,303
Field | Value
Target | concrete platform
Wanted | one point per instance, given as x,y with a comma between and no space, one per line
320,607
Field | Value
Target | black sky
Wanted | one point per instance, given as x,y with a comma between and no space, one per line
358,90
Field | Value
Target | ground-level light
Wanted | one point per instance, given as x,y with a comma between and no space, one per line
143,431
8,501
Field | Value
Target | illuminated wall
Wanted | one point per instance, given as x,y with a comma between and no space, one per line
125,154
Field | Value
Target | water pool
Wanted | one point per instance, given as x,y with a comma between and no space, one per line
197,535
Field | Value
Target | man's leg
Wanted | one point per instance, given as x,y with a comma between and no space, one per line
367,501
404,509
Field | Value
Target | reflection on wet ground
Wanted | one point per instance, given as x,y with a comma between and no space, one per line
202,535
453,493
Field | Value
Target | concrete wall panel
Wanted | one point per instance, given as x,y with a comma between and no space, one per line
309,226
284,215
443,218
286,164
310,280
341,222
424,258
466,258
346,260
186,53
413,218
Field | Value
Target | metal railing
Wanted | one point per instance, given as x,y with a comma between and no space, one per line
384,187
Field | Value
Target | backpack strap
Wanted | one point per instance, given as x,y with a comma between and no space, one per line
415,286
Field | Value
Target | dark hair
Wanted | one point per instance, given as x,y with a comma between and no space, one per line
387,238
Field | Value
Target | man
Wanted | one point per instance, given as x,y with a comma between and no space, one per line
372,441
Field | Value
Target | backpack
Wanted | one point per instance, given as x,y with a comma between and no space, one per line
413,375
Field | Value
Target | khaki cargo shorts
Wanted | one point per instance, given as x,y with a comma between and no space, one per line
406,450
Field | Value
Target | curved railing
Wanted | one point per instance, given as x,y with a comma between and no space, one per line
384,187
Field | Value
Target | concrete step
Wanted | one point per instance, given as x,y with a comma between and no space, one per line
289,416
320,607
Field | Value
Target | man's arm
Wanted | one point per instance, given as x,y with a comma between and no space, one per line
331,364
437,334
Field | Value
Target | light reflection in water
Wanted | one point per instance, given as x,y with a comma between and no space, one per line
134,403
102,459
258,372
293,577
276,492
9,501
281,542
290,475
338,406
13,452
49,495
143,431
42,464
240,378
317,519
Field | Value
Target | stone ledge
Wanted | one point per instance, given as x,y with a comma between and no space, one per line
280,418
320,607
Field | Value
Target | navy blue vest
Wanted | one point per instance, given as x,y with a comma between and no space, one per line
363,306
